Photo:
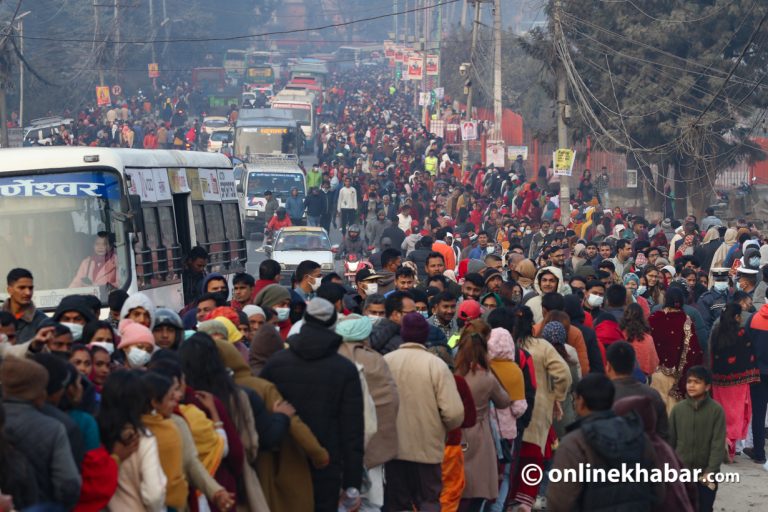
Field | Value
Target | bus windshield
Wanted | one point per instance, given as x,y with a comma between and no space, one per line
63,228
251,140
280,183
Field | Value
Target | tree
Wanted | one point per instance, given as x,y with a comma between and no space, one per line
666,81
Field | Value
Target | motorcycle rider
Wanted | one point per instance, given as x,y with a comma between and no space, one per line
353,243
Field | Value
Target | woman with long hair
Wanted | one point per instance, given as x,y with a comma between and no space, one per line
554,379
733,370
654,292
480,462
677,346
637,332
205,371
141,482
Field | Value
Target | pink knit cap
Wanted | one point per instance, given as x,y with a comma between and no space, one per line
132,333
501,345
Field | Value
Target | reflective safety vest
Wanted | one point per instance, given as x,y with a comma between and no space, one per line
430,165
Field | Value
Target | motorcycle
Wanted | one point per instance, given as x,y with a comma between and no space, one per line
353,263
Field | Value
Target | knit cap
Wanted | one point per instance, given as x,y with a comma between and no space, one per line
139,300
226,312
554,332
271,295
320,311
354,328
251,310
414,328
23,378
213,327
631,277
640,260
133,333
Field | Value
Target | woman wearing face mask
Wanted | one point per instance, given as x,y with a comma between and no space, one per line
137,344
279,299
99,333
634,288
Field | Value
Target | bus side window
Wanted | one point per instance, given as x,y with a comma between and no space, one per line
169,248
237,245
146,266
217,238
200,233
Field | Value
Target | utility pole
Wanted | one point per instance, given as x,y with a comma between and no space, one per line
424,46
21,74
464,7
154,36
97,37
498,113
562,110
475,25
117,42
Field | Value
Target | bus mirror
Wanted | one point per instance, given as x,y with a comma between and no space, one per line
239,187
138,214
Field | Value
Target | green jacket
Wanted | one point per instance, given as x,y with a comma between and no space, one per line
697,433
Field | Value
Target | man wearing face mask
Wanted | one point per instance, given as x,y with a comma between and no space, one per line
366,286
308,276
746,280
593,297
712,302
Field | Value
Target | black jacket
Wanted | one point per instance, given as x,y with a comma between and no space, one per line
419,257
325,389
385,337
576,313
316,205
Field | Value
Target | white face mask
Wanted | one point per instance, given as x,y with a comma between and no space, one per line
109,347
594,301
75,329
641,289
720,285
138,358
315,284
371,288
282,314
375,319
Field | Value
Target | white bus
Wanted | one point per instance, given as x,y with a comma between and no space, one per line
303,107
155,205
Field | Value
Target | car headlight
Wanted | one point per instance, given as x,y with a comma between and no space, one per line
327,266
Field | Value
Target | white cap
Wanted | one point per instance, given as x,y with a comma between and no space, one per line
670,269
748,271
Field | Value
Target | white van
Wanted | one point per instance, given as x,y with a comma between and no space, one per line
278,174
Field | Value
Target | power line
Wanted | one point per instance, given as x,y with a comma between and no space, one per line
249,36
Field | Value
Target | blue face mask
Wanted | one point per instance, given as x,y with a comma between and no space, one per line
425,314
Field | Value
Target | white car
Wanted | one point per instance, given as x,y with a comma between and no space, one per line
213,123
218,138
295,244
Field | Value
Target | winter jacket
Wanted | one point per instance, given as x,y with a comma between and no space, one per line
604,441
533,300
629,386
316,205
758,332
347,198
374,230
383,445
576,312
430,404
294,206
28,323
697,433
43,440
385,337
325,389
574,339
710,305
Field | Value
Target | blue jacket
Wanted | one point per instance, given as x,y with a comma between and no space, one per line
294,206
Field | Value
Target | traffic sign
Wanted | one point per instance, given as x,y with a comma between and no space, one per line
469,130
117,90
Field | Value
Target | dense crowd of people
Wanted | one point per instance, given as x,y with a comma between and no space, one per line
486,337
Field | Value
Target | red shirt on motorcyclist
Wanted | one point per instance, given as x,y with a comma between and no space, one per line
279,221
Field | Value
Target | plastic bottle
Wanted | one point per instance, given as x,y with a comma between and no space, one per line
349,500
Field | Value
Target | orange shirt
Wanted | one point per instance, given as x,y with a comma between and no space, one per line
448,255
